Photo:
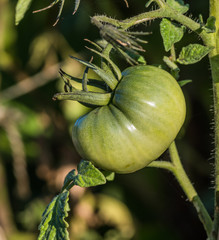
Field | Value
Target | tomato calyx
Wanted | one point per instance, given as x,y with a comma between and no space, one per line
94,92
98,93
92,98
107,77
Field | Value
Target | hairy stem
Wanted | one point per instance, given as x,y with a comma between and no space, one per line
175,166
173,53
189,190
162,164
214,62
164,12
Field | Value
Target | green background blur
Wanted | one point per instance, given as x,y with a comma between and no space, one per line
36,151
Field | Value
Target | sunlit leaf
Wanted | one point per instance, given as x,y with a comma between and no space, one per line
21,8
108,175
53,225
170,33
193,53
210,25
88,175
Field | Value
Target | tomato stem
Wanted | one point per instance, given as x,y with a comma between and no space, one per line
165,11
189,190
214,60
175,166
162,164
173,53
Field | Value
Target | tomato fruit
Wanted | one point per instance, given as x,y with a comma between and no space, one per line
142,119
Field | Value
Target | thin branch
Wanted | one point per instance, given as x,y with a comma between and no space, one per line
19,160
31,83
8,119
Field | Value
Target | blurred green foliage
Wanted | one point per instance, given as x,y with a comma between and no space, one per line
36,151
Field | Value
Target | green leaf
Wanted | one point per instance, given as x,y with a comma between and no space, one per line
53,225
21,8
88,176
110,176
210,25
178,5
193,53
141,60
184,82
170,33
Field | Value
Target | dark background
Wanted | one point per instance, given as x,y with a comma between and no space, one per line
36,151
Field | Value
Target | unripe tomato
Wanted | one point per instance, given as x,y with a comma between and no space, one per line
143,118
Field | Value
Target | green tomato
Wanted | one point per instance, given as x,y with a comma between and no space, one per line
143,118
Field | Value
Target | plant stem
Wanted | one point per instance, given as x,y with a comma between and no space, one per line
189,190
214,11
173,53
160,3
180,174
162,164
30,83
214,62
164,11
175,166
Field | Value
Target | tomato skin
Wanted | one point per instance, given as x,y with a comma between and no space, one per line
143,118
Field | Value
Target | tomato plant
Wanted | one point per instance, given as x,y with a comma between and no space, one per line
137,113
